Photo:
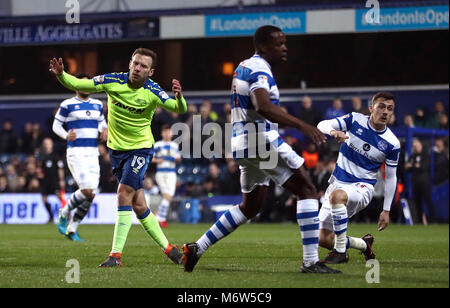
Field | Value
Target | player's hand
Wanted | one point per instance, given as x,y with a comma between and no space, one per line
383,222
176,88
339,136
104,135
71,136
56,66
313,133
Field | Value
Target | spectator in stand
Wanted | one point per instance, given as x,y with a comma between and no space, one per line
392,121
3,184
8,139
230,182
439,110
419,166
441,162
320,176
443,121
12,177
408,120
357,106
36,138
222,120
420,119
308,113
207,113
311,156
189,115
211,184
26,146
336,110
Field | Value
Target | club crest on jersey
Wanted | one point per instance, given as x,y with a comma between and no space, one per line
263,79
99,79
382,145
140,101
163,94
366,147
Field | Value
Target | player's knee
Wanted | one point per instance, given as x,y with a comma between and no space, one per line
248,210
338,197
89,194
125,194
325,241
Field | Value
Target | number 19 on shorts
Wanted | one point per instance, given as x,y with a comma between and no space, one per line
137,163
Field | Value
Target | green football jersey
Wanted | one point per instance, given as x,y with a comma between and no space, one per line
130,111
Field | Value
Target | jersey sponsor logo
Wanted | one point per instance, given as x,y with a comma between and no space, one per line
366,147
88,113
129,108
354,148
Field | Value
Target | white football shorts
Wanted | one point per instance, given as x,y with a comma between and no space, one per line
85,170
167,182
359,196
252,175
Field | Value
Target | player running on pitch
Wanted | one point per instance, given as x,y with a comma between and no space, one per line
132,100
166,157
84,119
367,143
255,101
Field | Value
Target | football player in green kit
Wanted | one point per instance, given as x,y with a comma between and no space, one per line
132,100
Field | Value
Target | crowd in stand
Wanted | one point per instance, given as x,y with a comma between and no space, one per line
21,169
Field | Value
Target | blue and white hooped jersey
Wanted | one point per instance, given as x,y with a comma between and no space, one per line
366,149
251,74
169,152
85,118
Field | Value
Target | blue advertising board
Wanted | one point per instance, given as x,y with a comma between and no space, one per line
246,24
411,18
93,31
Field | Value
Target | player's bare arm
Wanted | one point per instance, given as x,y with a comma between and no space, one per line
261,100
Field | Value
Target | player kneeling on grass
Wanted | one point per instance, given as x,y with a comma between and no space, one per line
132,100
84,119
367,143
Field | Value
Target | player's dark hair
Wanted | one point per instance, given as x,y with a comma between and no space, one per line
82,75
263,35
146,52
386,96
165,126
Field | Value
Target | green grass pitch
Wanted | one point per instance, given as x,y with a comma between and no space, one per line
255,256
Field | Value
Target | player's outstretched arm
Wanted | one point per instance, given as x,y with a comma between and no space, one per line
177,105
261,100
71,82
331,127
